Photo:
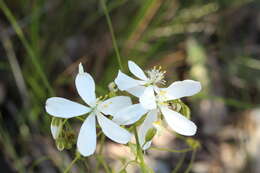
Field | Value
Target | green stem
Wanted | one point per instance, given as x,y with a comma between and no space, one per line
110,26
72,163
102,141
101,144
139,152
80,118
179,164
172,150
191,161
102,161
128,163
27,46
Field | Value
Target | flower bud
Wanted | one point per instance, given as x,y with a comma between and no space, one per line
70,139
112,87
60,144
56,127
150,134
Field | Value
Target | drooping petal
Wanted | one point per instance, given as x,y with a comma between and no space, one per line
64,108
145,126
147,99
113,131
114,104
86,87
87,138
181,89
129,115
136,70
137,91
178,122
125,82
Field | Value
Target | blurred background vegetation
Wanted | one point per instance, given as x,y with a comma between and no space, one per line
216,42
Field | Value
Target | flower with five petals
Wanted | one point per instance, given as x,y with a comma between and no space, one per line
156,101
97,108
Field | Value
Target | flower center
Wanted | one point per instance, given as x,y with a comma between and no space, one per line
156,76
161,100
96,106
161,97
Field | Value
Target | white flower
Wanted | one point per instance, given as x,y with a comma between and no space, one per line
64,108
138,87
155,101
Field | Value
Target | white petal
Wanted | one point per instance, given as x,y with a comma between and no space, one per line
145,126
87,139
125,82
137,91
147,99
114,104
113,131
181,89
86,88
129,115
64,108
178,122
136,70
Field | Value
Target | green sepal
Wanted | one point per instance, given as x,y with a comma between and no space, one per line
150,134
185,110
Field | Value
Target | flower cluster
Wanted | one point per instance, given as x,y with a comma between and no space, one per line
154,101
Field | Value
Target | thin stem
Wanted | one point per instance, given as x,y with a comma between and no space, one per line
129,162
101,160
72,163
191,161
172,150
27,46
81,119
110,26
99,133
37,162
179,164
17,71
102,141
102,144
139,152
64,122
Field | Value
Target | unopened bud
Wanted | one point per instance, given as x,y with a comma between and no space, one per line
60,144
150,134
56,127
70,139
112,87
